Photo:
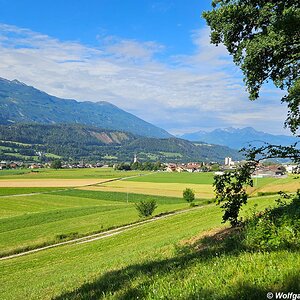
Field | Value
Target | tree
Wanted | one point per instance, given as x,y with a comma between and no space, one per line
56,164
230,190
189,195
146,208
264,39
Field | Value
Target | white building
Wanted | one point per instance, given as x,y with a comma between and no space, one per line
291,168
228,161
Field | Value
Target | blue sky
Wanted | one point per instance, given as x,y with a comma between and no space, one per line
151,58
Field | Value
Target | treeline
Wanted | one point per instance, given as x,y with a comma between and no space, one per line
146,166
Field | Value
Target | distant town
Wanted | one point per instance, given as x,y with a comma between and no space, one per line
264,169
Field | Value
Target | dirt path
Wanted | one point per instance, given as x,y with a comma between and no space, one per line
102,235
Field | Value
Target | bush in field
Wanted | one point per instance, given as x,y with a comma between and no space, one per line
189,196
146,208
275,228
56,164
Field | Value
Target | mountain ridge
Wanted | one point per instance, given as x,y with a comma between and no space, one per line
237,138
21,103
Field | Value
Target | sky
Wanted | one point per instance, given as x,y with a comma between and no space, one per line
151,58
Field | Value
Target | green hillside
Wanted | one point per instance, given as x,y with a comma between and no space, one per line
32,142
25,104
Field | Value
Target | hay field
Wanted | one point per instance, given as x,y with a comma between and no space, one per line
154,188
49,182
89,173
289,184
184,177
283,187
173,184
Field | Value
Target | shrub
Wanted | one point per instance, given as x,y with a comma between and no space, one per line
275,228
259,194
189,195
146,208
67,236
56,164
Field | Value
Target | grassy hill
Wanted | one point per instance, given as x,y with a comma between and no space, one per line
33,142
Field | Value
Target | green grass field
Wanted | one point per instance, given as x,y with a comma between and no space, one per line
106,173
148,262
205,178
35,220
7,191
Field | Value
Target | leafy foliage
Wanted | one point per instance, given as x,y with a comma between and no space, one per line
146,208
230,189
188,195
268,151
146,166
275,228
264,39
56,164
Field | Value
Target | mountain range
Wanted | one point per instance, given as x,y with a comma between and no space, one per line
32,121
238,138
20,103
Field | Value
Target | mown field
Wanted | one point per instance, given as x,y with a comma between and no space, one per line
104,173
168,177
155,188
172,184
27,222
8,191
150,261
267,185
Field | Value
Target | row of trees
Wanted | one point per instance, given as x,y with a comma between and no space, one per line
146,166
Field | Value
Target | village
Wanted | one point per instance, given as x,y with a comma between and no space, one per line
264,169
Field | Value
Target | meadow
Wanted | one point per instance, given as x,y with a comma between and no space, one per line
32,221
104,173
154,188
172,184
150,261
161,259
8,191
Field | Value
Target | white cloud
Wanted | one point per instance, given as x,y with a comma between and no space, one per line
201,90
129,49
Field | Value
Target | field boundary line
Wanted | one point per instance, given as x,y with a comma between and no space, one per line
104,234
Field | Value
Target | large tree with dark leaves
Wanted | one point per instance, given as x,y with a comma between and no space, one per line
264,39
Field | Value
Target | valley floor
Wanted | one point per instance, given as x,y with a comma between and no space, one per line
166,258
